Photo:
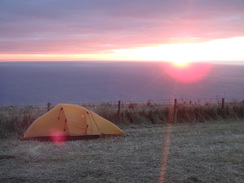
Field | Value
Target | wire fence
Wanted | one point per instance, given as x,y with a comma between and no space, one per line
174,104
151,102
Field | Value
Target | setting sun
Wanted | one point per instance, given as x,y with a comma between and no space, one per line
188,73
181,64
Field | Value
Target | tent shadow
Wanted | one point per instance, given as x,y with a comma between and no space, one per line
68,138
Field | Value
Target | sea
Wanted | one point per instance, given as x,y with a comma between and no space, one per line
39,83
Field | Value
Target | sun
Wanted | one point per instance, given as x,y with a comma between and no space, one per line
187,73
181,64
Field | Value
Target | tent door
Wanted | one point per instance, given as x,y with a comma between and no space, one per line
63,121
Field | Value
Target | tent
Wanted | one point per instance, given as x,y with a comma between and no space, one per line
71,121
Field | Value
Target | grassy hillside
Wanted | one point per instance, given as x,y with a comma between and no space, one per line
14,120
193,153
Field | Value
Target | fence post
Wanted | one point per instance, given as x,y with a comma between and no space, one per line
175,111
48,106
223,103
118,110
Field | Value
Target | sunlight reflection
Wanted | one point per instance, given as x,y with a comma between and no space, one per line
166,148
165,154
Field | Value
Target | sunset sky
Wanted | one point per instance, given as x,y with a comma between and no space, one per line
139,30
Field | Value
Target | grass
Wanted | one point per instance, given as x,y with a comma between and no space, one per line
201,153
14,120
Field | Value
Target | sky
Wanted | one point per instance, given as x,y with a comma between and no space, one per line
128,30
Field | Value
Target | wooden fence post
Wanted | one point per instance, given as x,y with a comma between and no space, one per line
175,111
118,110
223,103
48,106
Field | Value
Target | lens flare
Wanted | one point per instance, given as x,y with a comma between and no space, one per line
57,137
186,72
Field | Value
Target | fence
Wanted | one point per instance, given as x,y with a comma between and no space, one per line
18,118
172,107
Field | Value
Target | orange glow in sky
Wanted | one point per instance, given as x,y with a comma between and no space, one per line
216,50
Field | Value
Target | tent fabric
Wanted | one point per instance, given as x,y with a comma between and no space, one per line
70,120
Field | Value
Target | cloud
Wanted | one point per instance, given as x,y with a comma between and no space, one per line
60,26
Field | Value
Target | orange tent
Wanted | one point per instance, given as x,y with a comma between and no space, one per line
71,121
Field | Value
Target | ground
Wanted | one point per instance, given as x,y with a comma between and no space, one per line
196,153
